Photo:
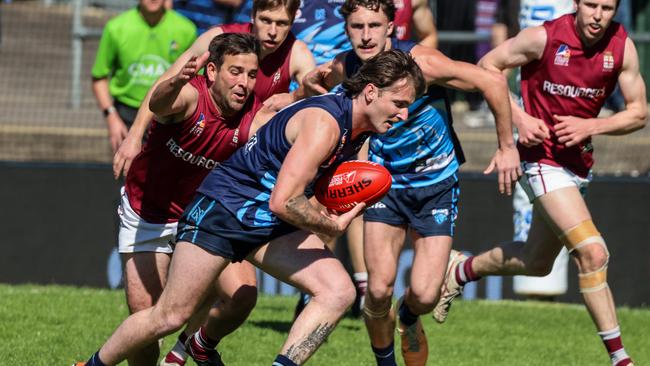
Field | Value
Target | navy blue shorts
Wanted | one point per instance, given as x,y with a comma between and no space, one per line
208,224
430,210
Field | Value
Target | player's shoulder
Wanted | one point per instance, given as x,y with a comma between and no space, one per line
127,17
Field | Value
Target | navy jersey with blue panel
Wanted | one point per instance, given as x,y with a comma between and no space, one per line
243,183
422,150
321,26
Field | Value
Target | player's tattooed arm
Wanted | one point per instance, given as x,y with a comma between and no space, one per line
300,352
300,212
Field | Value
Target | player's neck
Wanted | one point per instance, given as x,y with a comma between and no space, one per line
360,120
152,18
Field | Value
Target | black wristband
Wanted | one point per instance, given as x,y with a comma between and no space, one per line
108,111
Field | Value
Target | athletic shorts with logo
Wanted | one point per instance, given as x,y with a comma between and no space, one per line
430,210
208,224
539,179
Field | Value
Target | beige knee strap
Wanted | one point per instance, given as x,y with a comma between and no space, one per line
371,314
593,281
584,233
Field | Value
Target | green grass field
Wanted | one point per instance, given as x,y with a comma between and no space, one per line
55,325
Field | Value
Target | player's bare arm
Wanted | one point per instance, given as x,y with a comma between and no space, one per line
132,144
314,135
301,63
526,47
441,70
423,24
173,100
117,129
326,76
572,130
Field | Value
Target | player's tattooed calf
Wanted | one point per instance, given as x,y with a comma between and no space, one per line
299,353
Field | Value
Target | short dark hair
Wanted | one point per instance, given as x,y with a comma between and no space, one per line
232,44
388,7
291,6
383,70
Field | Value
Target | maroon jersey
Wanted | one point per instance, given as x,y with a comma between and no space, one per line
402,22
570,80
274,75
176,157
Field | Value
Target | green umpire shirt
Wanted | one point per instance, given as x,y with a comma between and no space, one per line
134,54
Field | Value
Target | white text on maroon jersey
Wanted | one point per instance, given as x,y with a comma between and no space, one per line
572,91
189,157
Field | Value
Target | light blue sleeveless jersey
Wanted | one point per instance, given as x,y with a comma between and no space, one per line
424,149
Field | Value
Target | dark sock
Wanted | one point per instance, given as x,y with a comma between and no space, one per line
95,361
385,356
406,316
206,341
281,360
182,337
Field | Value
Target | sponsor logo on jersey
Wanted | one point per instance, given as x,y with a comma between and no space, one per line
251,143
147,69
199,126
440,215
276,77
320,14
187,156
235,136
608,61
562,55
572,91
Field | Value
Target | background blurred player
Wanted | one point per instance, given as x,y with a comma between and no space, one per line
136,47
283,58
258,195
423,155
569,67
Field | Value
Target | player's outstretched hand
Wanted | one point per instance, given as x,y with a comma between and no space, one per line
572,130
314,80
532,131
191,68
124,156
508,166
279,101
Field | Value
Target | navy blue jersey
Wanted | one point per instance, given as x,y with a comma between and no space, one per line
243,183
422,150
321,26
205,14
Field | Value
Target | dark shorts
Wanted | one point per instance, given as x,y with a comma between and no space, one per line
430,211
208,224
126,113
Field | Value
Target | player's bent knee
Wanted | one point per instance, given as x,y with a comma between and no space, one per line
539,268
378,311
243,300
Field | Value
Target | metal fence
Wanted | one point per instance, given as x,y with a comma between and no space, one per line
49,113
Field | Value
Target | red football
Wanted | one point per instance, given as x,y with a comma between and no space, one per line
352,182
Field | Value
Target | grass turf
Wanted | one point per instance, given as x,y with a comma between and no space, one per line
56,325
